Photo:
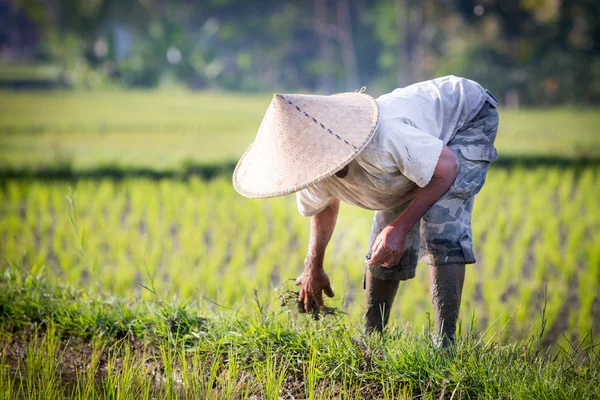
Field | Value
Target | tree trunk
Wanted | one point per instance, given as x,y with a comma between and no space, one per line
344,23
404,73
410,22
418,70
326,49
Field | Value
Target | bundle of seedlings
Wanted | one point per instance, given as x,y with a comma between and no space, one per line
289,298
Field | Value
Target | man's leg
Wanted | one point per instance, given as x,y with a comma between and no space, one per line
445,287
381,284
380,297
446,235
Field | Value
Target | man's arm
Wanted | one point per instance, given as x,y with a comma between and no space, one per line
389,245
314,281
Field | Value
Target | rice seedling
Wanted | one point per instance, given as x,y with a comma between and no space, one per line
200,241
143,286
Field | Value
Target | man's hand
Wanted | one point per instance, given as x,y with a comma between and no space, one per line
313,281
388,247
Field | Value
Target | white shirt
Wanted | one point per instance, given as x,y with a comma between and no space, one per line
414,124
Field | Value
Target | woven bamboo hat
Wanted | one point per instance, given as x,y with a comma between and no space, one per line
304,139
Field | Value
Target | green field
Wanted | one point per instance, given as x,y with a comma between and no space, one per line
95,260
165,132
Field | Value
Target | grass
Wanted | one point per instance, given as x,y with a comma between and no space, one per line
200,240
127,130
265,352
169,131
15,71
125,273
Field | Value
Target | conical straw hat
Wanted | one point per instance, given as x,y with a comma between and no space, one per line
304,139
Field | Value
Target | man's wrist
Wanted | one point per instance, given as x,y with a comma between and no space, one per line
402,225
313,263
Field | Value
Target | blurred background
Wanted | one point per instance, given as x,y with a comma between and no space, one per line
527,52
121,122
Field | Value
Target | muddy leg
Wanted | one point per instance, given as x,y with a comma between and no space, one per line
380,297
445,287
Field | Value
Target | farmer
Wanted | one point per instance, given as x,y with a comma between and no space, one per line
416,156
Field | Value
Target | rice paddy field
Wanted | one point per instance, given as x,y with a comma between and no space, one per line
132,269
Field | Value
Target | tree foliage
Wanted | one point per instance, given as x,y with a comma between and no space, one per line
526,51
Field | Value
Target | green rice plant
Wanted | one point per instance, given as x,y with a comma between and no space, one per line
126,375
312,374
86,386
271,373
199,241
209,367
229,381
8,382
40,367
102,259
257,354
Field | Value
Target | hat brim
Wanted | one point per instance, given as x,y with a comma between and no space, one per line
304,139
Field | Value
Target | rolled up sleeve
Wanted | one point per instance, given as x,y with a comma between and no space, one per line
312,200
415,152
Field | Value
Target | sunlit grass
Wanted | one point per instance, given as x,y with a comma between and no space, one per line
536,235
167,130
559,132
171,286
260,352
140,129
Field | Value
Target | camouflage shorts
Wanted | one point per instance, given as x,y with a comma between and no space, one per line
443,236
